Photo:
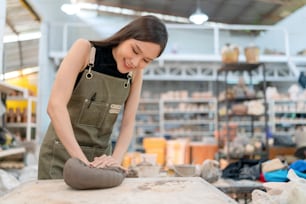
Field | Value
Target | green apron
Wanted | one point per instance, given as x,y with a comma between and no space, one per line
93,108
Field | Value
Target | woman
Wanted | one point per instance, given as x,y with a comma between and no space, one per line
94,82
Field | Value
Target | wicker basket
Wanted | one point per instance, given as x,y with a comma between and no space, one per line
230,54
251,54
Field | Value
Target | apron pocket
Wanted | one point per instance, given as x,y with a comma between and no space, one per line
92,113
109,122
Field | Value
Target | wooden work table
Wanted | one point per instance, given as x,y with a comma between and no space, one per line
161,190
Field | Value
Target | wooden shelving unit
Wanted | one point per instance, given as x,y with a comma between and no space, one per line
15,93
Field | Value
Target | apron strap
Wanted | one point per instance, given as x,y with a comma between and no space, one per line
92,56
91,63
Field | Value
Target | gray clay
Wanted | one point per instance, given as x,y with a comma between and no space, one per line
80,176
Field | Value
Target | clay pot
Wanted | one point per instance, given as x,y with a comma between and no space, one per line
185,170
239,109
148,171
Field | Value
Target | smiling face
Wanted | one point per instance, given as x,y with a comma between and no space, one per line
133,54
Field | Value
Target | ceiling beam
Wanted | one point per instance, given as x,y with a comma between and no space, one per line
272,16
282,11
217,10
26,5
243,10
281,2
11,26
285,2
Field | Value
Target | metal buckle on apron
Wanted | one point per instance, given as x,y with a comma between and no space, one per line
89,74
91,63
129,78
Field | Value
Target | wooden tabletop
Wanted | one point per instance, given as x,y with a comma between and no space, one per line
161,190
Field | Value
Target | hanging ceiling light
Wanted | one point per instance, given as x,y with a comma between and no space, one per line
198,17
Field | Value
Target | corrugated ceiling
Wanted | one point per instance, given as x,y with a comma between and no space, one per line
22,18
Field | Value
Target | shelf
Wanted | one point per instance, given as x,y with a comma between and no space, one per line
245,123
149,100
147,119
10,89
191,134
251,127
241,115
290,112
148,112
239,67
240,99
189,100
290,122
28,127
12,151
21,125
147,124
22,98
178,117
189,122
194,111
287,114
188,117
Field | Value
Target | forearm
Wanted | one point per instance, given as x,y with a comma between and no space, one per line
123,141
63,128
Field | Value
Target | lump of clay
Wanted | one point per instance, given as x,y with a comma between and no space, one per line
80,176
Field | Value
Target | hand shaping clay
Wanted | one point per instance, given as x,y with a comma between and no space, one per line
80,176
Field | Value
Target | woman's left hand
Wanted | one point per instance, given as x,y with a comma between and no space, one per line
105,161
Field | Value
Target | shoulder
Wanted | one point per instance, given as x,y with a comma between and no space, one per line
79,52
82,43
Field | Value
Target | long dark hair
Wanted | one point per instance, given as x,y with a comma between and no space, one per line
145,28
